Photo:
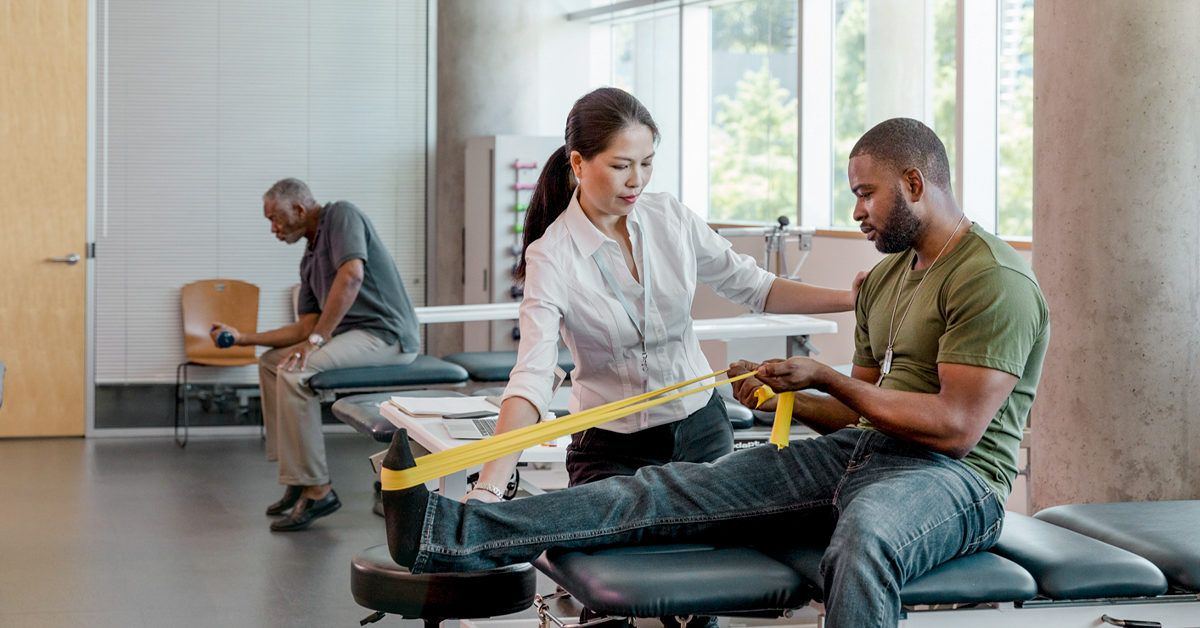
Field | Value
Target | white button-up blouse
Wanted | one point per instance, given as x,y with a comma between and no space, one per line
567,293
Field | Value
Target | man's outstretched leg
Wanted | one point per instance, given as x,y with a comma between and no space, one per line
745,494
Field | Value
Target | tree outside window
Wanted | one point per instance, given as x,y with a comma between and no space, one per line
753,135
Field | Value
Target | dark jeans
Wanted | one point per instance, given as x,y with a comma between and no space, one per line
704,436
897,509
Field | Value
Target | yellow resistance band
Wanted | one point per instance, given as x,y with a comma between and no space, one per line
445,462
783,413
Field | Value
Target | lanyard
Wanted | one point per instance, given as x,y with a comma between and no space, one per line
616,290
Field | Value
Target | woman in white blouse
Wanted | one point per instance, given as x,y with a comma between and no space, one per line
614,271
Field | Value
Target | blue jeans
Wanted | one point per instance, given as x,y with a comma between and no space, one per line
896,511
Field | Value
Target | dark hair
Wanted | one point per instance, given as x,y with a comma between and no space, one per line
591,125
904,143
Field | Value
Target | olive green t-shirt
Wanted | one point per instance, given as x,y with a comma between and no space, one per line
980,306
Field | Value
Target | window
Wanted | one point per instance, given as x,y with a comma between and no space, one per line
1014,119
772,95
753,129
638,51
881,70
731,151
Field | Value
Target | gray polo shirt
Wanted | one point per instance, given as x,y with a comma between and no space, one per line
382,307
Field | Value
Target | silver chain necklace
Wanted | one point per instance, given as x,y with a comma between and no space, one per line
894,333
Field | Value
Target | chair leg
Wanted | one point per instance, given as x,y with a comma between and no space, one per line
181,396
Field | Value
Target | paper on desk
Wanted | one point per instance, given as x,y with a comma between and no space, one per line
438,406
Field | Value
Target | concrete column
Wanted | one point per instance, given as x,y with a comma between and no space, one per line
1116,222
487,54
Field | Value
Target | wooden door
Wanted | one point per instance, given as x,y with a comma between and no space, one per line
43,214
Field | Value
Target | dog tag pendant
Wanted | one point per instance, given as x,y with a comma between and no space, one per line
887,362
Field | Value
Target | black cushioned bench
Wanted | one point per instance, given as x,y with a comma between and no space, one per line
425,371
669,580
496,366
1166,533
1039,574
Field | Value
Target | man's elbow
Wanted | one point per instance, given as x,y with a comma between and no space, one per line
961,441
352,278
351,272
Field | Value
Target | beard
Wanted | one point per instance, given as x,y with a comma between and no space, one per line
901,230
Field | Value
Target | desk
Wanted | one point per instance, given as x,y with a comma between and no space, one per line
756,331
431,434
467,313
728,328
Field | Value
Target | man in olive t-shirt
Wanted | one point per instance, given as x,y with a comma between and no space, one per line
918,445
951,330
352,311
981,306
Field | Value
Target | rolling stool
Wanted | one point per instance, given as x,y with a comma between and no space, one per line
381,585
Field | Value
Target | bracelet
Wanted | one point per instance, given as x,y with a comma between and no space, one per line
491,488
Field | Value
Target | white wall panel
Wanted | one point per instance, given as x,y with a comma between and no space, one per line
201,106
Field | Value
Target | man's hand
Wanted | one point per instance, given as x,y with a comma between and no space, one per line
792,374
297,356
218,327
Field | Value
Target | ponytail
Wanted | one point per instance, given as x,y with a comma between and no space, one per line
550,198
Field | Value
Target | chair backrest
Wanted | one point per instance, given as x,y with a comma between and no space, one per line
229,301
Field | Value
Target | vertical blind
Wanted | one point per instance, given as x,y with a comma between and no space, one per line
200,107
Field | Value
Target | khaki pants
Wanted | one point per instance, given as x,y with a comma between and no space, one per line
292,412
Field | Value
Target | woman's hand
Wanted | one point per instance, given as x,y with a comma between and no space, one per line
480,495
743,390
855,285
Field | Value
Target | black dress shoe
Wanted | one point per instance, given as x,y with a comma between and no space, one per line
306,511
285,503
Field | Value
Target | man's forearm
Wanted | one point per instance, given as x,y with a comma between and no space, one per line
281,337
920,418
823,413
948,422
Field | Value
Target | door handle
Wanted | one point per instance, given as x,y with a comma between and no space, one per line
70,259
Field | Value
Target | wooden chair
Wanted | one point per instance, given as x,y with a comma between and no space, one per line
230,301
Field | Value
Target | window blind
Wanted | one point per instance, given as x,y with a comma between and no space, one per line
201,106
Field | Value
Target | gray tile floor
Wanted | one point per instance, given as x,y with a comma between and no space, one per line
138,533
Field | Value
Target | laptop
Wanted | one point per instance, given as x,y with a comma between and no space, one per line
477,425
